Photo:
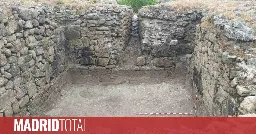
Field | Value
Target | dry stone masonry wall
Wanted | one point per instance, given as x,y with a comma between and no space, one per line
31,55
167,33
223,67
37,43
99,35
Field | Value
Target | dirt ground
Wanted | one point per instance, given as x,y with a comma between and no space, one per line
123,93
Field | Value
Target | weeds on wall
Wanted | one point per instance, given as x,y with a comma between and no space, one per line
59,2
137,4
92,1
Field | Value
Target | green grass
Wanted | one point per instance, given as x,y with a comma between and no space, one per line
92,1
137,4
59,2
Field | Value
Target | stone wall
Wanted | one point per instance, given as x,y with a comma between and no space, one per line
167,33
31,55
223,67
38,43
99,36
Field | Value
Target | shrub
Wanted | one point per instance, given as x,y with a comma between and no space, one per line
137,4
59,2
92,1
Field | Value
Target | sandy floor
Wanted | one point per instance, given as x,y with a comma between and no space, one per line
122,93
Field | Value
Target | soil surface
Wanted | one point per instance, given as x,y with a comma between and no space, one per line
123,93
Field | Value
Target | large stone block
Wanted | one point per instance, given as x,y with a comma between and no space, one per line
32,89
3,81
12,26
2,90
3,60
248,105
103,61
9,85
28,24
24,100
76,43
246,91
15,107
25,14
7,97
8,110
141,61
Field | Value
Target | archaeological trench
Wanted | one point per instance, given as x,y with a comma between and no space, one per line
104,61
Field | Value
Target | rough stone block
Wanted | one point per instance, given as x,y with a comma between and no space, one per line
9,85
246,91
103,28
12,26
2,90
28,24
8,110
103,61
76,43
32,89
141,61
15,107
24,101
25,14
3,81
7,97
248,105
92,16
39,50
3,60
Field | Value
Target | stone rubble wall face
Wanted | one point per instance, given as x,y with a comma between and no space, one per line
37,43
210,75
100,35
223,56
166,33
31,55
224,76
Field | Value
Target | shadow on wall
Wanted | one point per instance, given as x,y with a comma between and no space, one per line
167,33
197,80
99,35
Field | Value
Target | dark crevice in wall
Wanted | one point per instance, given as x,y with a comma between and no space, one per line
86,56
197,79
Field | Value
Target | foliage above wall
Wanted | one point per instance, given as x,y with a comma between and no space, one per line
137,4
